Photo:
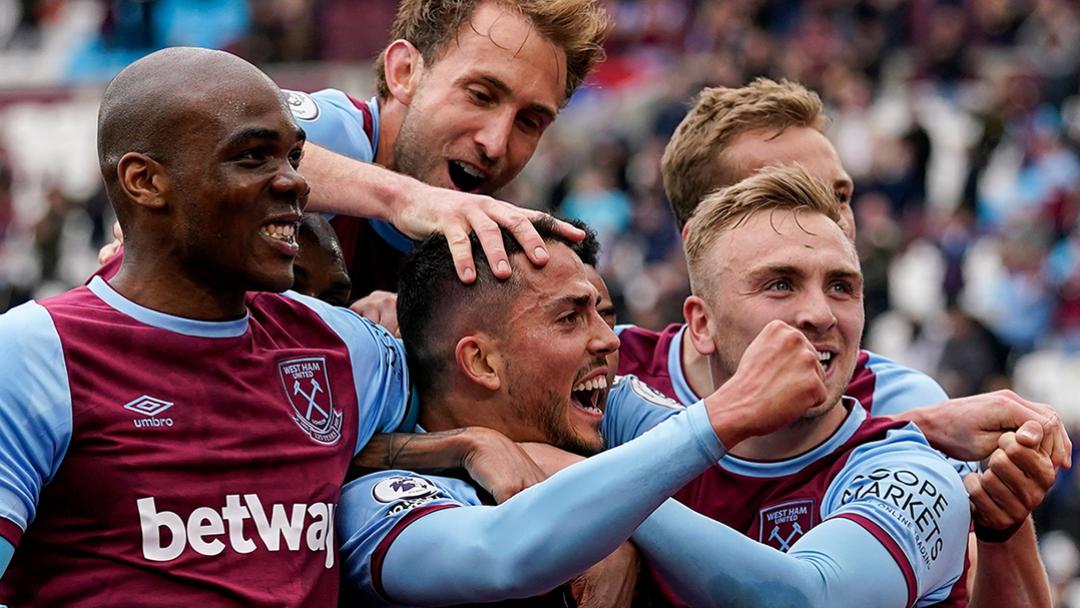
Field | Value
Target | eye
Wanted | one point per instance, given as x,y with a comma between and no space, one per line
570,317
841,287
295,156
254,155
843,197
529,124
480,96
779,285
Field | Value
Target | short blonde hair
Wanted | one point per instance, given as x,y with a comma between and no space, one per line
786,188
695,162
578,27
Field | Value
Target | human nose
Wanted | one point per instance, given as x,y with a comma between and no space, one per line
289,181
493,137
815,313
604,341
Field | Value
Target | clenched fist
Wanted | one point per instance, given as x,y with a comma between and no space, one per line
778,379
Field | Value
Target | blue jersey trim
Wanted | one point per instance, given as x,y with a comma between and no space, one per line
682,388
36,418
153,318
782,468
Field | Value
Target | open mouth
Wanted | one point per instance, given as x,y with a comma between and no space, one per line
589,395
466,177
826,359
283,234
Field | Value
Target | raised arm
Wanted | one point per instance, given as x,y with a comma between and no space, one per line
346,186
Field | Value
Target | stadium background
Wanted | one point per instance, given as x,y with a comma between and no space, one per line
959,121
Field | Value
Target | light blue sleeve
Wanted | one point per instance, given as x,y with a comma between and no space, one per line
380,373
35,410
6,551
332,121
547,534
371,508
632,409
898,389
901,488
837,563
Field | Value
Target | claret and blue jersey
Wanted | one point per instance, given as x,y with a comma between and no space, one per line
148,457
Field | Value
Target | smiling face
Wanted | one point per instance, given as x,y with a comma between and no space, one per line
236,190
804,146
797,267
476,115
554,346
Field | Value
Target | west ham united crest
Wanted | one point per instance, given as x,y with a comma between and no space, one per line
783,524
307,387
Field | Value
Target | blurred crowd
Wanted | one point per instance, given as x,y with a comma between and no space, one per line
959,122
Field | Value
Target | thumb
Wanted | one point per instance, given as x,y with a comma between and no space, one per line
1030,434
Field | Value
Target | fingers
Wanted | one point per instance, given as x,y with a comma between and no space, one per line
1015,483
1030,435
379,307
107,252
491,241
117,233
461,251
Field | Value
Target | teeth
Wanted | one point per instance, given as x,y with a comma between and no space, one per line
593,384
283,231
824,356
467,168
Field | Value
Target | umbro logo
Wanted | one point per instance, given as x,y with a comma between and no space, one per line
150,407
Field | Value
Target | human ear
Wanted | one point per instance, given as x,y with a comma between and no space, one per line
403,65
143,180
478,361
698,325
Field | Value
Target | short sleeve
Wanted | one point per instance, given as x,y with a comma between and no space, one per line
380,372
336,122
910,499
633,408
897,389
35,413
374,510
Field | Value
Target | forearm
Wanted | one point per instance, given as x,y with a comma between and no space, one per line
1010,573
553,531
346,186
417,451
838,563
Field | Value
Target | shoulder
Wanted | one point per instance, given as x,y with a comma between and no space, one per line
633,408
337,121
886,387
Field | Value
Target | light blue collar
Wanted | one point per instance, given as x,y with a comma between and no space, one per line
153,318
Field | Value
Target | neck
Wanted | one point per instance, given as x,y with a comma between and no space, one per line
157,286
794,439
453,410
391,115
695,367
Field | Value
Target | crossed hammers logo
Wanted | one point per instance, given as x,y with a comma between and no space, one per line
785,543
316,388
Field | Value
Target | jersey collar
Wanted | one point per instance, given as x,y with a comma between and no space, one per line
153,318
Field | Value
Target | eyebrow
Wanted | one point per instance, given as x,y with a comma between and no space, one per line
506,90
263,133
792,271
578,300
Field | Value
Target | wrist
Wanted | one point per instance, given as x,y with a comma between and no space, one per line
729,419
